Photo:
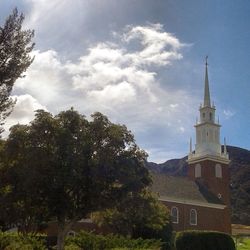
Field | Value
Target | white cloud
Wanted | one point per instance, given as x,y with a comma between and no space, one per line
119,93
182,129
228,113
117,79
155,41
46,79
44,12
172,105
23,112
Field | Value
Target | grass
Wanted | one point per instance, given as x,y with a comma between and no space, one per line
243,243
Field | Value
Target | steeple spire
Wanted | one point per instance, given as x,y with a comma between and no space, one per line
190,146
207,130
207,102
225,146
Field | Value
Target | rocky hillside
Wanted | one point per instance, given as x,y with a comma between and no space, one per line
240,180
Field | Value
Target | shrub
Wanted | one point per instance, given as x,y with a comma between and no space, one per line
14,241
90,241
203,240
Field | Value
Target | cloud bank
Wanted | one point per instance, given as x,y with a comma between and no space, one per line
118,78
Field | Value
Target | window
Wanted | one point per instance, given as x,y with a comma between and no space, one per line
71,233
198,136
193,217
210,116
197,171
175,215
218,171
203,135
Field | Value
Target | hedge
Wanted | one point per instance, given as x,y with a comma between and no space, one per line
91,241
203,240
83,240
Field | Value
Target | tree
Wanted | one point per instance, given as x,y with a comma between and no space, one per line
20,184
68,167
15,47
139,214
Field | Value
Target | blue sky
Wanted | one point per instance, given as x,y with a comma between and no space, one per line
140,62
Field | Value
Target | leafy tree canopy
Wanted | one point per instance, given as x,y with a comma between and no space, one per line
138,215
64,167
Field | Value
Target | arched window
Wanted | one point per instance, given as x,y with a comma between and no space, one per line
175,215
72,233
210,116
198,136
203,135
218,171
197,171
193,217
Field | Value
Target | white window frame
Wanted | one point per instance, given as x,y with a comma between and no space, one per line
71,233
218,171
193,212
177,215
197,170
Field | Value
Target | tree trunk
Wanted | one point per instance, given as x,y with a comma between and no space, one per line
63,229
60,236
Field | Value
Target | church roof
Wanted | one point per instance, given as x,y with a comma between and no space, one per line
182,189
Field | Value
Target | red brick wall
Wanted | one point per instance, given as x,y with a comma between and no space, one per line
215,184
52,228
207,218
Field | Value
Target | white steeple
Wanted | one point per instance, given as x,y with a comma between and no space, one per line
206,102
190,146
207,130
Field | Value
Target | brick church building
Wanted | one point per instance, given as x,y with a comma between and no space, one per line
201,200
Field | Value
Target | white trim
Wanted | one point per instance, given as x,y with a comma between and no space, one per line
207,122
195,214
220,159
177,215
194,203
218,170
197,170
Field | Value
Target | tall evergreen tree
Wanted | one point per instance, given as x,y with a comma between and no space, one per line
15,47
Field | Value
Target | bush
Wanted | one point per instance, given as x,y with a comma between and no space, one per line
203,240
14,241
164,234
90,241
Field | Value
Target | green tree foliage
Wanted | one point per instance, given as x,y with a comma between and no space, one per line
15,47
64,167
14,241
240,184
138,215
20,191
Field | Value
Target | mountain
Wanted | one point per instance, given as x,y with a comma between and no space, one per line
239,168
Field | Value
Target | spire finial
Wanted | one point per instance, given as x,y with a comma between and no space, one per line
190,146
225,146
207,102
